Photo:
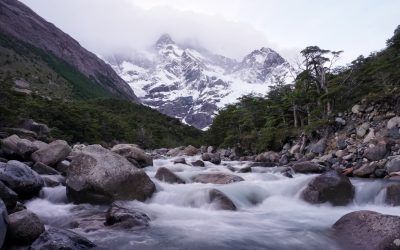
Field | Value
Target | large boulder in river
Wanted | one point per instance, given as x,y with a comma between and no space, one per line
8,196
217,178
308,167
214,158
24,227
166,175
269,156
98,175
221,201
329,187
3,223
121,217
21,179
53,153
190,150
368,230
57,239
134,154
376,153
393,194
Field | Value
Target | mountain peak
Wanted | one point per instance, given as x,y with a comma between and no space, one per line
164,39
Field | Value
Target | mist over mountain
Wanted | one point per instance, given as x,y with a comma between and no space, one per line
191,83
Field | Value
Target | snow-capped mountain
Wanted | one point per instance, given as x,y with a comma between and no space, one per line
193,83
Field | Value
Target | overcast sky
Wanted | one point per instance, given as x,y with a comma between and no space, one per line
229,27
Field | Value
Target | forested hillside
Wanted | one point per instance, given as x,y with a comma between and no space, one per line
319,92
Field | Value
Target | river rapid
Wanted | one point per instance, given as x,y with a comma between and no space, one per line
270,214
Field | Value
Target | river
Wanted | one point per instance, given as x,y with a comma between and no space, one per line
270,215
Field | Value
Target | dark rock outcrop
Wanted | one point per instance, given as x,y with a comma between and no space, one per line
308,167
8,196
166,175
41,168
221,200
217,178
393,194
57,239
376,153
214,158
123,218
198,163
3,223
24,227
368,230
21,179
329,187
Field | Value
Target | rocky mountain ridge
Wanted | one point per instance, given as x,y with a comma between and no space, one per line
192,84
20,22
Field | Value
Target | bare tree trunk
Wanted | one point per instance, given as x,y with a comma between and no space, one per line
295,115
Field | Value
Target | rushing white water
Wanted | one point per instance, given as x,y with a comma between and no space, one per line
270,215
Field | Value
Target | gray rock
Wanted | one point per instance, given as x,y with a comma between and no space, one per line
180,161
174,152
61,239
15,146
393,194
41,168
198,163
190,150
341,144
217,178
213,158
362,129
376,153
393,122
269,156
221,200
8,196
368,230
263,164
211,149
53,180
9,144
20,178
24,227
245,170
319,147
365,170
98,175
3,223
393,165
121,217
42,130
329,187
356,109
53,153
63,166
166,175
340,121
308,167
134,154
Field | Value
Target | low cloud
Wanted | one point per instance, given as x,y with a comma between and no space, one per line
108,27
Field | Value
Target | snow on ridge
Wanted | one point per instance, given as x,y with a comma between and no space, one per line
193,85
